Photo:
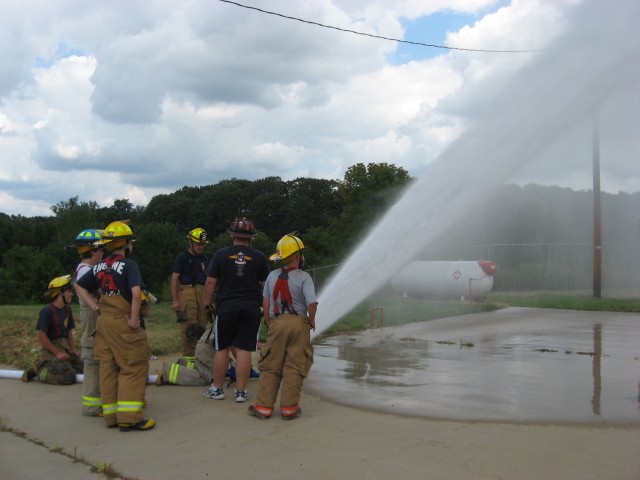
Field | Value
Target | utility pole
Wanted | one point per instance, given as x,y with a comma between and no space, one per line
597,233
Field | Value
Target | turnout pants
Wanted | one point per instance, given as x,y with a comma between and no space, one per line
91,399
186,372
56,372
190,298
285,360
182,372
124,362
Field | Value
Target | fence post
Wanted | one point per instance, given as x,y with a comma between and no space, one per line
372,318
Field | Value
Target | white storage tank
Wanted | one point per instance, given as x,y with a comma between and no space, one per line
459,279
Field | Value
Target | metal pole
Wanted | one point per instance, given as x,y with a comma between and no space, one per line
597,234
596,369
547,278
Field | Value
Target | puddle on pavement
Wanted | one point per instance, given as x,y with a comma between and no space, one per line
518,365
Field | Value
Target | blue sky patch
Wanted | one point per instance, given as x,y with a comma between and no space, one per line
432,29
63,51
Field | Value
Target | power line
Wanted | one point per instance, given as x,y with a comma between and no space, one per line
375,36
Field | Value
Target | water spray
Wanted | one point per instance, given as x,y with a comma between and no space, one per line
560,87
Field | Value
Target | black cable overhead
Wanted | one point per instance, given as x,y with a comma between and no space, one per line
375,36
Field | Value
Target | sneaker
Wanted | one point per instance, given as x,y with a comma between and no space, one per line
29,374
241,396
213,392
142,425
254,374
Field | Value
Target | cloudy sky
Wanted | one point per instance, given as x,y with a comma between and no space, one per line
129,99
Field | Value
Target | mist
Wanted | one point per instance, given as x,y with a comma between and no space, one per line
561,88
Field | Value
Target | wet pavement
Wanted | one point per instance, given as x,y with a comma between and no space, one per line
513,365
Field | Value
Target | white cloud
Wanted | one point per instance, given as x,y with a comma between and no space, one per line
127,100
381,149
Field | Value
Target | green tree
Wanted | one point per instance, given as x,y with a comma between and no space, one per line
365,182
154,250
178,208
7,232
221,203
269,205
71,217
312,202
319,247
34,231
31,269
365,194
121,209
10,293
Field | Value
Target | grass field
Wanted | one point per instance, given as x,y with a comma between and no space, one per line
567,301
19,345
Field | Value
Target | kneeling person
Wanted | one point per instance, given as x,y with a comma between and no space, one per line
59,361
185,371
188,372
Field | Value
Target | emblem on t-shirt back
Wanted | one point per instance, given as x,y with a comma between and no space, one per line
241,258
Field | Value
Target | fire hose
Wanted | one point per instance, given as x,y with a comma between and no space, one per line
17,374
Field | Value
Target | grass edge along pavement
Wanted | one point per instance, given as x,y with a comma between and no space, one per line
19,345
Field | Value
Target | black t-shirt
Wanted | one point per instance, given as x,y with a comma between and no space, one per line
239,270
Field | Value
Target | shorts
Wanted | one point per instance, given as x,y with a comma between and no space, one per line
240,329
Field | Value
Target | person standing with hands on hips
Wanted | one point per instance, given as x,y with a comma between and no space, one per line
238,273
289,307
187,288
121,343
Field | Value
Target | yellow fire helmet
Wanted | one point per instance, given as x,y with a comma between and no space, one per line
116,234
287,246
57,284
198,235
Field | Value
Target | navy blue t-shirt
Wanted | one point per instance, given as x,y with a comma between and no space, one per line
191,268
239,270
114,275
52,321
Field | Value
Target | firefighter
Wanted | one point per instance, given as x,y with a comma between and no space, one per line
59,361
187,284
238,273
289,308
121,344
90,253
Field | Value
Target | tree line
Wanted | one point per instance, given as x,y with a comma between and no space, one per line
332,216
329,214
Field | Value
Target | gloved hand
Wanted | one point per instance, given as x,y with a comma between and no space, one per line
181,316
210,312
